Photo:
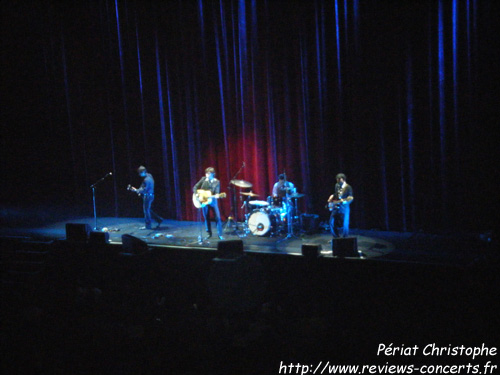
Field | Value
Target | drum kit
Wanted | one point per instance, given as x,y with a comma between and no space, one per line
271,217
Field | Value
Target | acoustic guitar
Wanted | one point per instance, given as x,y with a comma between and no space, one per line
203,198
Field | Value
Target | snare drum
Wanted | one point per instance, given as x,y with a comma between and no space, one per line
262,222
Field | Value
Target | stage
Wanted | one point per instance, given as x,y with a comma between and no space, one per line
372,244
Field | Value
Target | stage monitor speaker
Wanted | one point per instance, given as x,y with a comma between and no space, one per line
310,223
98,238
230,249
133,245
345,247
311,250
77,232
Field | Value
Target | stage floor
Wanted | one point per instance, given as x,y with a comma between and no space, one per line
186,234
372,244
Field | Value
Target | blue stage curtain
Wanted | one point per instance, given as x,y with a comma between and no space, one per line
390,93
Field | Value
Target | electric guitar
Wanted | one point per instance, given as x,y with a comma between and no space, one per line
203,198
131,188
336,203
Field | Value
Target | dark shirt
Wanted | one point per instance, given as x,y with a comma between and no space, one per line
147,186
206,184
342,193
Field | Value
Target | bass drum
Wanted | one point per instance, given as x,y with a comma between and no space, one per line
261,223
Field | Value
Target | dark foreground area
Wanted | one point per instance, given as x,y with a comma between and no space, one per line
76,308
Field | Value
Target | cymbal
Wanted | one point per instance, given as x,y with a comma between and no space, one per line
296,195
241,183
251,194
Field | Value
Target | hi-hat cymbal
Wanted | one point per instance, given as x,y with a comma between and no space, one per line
242,183
296,195
251,194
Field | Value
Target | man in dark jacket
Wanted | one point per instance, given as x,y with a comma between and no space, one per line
147,190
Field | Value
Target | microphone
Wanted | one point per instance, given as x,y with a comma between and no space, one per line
243,164
102,179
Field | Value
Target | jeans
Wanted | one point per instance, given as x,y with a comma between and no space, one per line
148,212
206,214
339,222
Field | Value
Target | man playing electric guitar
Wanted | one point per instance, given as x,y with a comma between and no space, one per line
339,203
208,201
147,191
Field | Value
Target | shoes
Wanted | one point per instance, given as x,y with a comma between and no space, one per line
221,238
209,235
159,223
147,227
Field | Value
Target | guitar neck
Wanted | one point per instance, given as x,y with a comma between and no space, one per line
203,197
335,203
208,194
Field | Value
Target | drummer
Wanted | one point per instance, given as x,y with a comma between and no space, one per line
281,189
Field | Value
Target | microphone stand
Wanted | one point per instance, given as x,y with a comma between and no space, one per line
93,186
201,241
289,207
232,188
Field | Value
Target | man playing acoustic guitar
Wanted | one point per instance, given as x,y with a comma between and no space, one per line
339,203
207,192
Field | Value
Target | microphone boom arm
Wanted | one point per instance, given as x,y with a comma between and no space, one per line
100,180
